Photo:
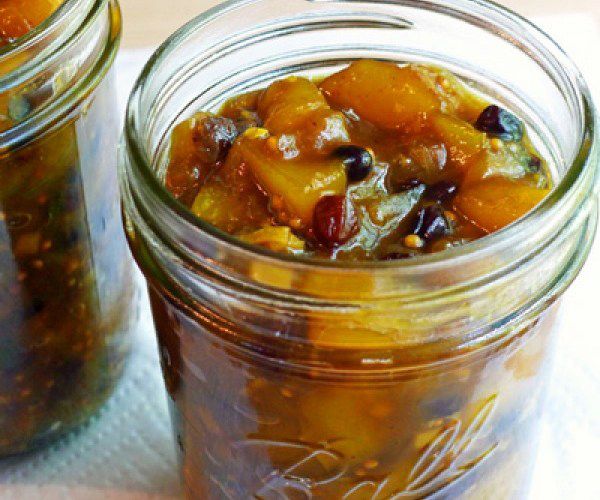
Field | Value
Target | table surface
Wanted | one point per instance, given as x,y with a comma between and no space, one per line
150,21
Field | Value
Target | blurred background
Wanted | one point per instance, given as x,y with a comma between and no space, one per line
148,22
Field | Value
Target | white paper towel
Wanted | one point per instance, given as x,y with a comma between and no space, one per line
127,451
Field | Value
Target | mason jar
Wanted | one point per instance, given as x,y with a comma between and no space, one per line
298,378
66,288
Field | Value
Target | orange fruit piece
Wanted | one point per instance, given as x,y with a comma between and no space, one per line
494,203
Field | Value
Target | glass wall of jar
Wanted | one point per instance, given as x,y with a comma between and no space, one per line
66,287
292,378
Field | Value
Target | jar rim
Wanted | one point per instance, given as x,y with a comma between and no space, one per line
39,30
580,170
58,42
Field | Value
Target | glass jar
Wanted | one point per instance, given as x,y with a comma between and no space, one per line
291,378
66,287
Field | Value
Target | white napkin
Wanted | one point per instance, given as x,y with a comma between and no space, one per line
127,452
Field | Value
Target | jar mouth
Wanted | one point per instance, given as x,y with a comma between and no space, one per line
564,199
40,30
68,53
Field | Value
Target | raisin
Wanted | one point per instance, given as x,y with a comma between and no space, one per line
214,136
431,223
441,191
358,162
334,220
498,122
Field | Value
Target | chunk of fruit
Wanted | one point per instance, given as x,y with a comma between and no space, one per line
295,108
18,17
297,184
502,163
276,238
230,200
285,99
497,202
423,162
358,336
220,206
381,215
344,417
461,140
389,96
456,98
244,102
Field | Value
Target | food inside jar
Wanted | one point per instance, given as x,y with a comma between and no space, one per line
376,162
20,99
66,288
19,17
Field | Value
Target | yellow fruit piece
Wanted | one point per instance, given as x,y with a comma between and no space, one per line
494,203
182,150
284,100
18,17
367,328
295,107
215,205
461,140
222,207
389,96
265,274
324,334
248,101
501,163
456,98
300,185
257,133
343,418
276,238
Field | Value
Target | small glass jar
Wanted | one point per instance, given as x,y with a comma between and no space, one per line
291,378
66,275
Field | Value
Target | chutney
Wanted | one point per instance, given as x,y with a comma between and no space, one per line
19,17
375,162
66,284
358,399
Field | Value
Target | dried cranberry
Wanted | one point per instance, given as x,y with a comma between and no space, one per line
431,223
498,122
441,191
334,220
358,162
